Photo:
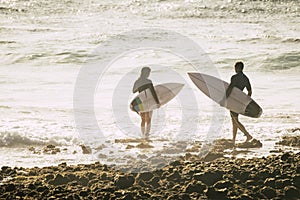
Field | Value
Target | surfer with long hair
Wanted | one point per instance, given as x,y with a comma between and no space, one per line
140,85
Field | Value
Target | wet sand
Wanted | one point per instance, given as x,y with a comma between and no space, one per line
211,176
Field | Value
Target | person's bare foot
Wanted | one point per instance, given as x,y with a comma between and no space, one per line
249,138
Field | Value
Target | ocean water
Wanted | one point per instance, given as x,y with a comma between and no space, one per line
67,68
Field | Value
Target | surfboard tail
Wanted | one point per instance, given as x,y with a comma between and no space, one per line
253,110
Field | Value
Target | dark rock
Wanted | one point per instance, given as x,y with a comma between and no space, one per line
223,184
245,197
20,194
251,183
173,197
146,176
71,177
93,182
184,196
83,181
10,187
281,183
209,178
195,186
59,180
285,156
50,146
63,165
175,163
142,184
76,196
291,192
84,193
244,176
127,197
86,149
33,194
175,176
298,170
154,182
91,176
212,193
31,186
108,189
5,169
296,180
212,156
106,176
32,173
268,192
42,189
49,177
124,182
252,144
263,174
270,182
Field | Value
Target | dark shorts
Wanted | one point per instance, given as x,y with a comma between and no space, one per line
233,114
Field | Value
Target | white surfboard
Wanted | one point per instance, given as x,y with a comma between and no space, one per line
215,89
145,102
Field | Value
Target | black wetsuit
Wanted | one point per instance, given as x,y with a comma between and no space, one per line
240,81
142,84
150,86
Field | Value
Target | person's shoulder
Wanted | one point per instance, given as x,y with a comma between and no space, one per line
245,76
148,81
234,76
137,81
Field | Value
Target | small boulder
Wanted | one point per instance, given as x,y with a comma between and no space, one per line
209,178
291,192
268,192
124,181
223,184
59,180
213,193
195,186
146,176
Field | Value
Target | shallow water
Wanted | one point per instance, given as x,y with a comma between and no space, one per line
43,47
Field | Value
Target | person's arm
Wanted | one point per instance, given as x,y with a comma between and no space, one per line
229,90
249,89
227,93
249,93
154,93
135,88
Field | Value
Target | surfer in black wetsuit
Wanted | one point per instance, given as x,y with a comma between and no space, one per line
141,84
240,81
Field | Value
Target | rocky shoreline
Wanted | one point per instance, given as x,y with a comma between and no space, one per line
272,177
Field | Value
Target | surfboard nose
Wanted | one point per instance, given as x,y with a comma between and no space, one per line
181,85
195,77
192,75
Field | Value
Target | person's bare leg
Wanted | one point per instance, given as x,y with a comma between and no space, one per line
243,129
148,122
234,131
240,126
143,124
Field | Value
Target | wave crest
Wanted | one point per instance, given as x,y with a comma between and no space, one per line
283,62
15,139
